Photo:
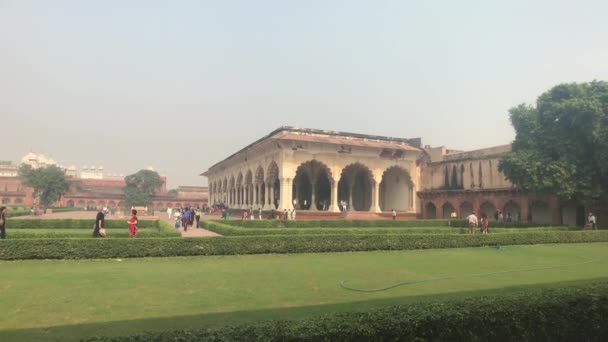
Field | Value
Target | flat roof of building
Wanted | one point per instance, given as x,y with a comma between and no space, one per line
332,137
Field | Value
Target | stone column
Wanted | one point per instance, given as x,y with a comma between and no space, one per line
285,199
375,197
351,188
255,195
313,198
267,197
271,204
333,207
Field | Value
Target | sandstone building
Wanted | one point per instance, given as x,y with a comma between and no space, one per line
316,171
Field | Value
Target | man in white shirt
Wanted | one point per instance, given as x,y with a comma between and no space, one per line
472,223
592,221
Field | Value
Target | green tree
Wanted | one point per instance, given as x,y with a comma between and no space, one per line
561,144
49,183
141,187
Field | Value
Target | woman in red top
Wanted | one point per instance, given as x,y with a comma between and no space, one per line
133,224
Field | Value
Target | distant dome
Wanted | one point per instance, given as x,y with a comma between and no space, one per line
29,158
150,168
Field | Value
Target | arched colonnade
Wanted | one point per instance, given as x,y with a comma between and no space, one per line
315,186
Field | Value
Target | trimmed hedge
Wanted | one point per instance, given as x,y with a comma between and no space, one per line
227,230
166,247
73,223
574,313
163,230
369,224
17,212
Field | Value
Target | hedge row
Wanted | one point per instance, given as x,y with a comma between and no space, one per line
73,223
163,230
166,247
368,224
575,313
17,212
227,230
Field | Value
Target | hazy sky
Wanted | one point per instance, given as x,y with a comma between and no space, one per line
180,85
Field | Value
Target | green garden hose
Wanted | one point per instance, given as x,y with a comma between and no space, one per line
344,286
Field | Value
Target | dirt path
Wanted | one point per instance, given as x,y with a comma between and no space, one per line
192,231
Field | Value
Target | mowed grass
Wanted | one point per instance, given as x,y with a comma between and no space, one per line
69,300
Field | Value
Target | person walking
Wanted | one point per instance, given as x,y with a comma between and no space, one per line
484,224
133,224
2,223
592,221
259,213
394,214
472,223
197,214
293,215
99,221
186,219
169,213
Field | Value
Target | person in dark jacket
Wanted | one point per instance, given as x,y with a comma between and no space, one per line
99,220
2,222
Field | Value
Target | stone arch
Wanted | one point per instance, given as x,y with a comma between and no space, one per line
18,200
447,209
488,209
81,203
540,212
355,187
430,210
466,209
70,203
91,204
512,209
248,188
6,200
396,190
272,180
312,185
261,186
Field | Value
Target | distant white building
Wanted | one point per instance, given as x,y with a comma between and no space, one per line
7,169
37,161
91,172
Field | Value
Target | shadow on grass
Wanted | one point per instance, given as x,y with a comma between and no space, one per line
211,320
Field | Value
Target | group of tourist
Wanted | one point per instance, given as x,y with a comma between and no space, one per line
499,216
185,217
482,223
99,227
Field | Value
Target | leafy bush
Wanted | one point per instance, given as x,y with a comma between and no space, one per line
73,223
224,229
17,212
574,313
166,247
368,223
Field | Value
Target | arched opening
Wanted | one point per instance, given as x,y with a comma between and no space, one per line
240,197
488,209
448,209
90,205
355,187
18,200
512,212
81,204
231,192
71,203
573,214
396,190
6,200
248,189
430,210
312,186
466,209
540,213
272,179
261,186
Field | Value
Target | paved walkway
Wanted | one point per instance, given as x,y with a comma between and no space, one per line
90,215
192,231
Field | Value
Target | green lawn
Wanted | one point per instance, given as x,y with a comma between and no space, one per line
68,300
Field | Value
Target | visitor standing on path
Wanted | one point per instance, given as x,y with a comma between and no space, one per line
2,223
394,214
99,220
133,224
484,224
169,213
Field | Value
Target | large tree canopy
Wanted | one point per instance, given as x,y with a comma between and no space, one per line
561,145
49,183
141,187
